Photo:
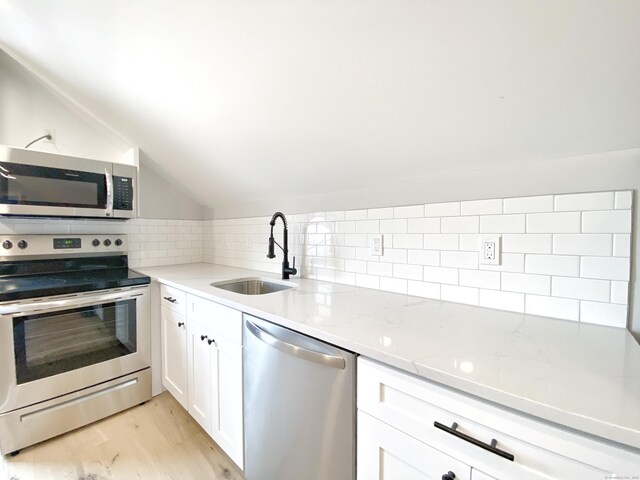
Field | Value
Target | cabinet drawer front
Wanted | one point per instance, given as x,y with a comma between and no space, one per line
219,319
541,450
174,299
385,453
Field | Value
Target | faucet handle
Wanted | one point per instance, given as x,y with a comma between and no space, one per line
293,268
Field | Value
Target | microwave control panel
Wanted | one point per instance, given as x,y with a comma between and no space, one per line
122,193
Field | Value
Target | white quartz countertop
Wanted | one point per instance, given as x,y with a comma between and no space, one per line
586,377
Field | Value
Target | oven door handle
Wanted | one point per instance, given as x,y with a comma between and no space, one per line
22,308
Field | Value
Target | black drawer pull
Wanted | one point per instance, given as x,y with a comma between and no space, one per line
170,299
180,324
453,430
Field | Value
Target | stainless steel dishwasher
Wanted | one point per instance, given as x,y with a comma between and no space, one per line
299,406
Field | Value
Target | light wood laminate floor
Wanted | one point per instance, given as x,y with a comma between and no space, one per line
155,441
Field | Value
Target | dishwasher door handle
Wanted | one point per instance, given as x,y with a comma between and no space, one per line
333,361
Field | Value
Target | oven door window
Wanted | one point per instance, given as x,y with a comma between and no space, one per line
51,343
53,187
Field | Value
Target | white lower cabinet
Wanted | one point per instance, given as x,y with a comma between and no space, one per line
409,427
174,354
202,366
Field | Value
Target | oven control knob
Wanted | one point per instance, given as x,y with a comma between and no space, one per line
7,244
118,242
95,242
107,242
22,244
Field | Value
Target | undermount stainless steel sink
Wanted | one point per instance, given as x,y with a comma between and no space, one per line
252,286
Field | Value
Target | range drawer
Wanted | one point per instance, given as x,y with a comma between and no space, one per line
540,450
220,319
174,299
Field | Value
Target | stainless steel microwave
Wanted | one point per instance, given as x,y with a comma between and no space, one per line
36,183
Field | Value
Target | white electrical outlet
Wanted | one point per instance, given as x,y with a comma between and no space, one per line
376,245
490,250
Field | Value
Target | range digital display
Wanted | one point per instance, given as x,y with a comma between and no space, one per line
64,243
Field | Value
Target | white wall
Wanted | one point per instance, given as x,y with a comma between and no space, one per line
29,108
258,100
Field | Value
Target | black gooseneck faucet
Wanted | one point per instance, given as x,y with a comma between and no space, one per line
286,270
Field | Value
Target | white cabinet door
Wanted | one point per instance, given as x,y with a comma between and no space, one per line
201,367
385,453
174,355
226,395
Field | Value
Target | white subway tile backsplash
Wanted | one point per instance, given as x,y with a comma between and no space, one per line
377,268
623,200
527,243
509,262
609,221
459,259
583,241
356,266
355,215
355,240
409,272
526,283
621,245
470,242
583,244
584,201
537,204
513,302
453,293
393,226
553,265
441,241
441,275
606,268
368,226
608,314
479,278
502,224
424,257
620,292
450,209
424,225
564,308
424,289
408,212
395,285
379,213
481,207
407,240
568,222
394,255
580,288
460,224
368,281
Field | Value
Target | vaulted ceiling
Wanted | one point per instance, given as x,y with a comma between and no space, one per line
241,100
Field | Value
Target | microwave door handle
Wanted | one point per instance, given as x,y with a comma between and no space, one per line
109,181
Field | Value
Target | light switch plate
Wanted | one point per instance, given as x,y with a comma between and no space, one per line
490,250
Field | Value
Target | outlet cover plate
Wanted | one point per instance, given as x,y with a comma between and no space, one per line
376,245
490,250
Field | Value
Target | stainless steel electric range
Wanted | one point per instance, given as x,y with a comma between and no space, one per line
74,334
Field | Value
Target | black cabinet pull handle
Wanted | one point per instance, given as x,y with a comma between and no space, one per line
203,337
211,341
449,476
180,324
170,299
467,438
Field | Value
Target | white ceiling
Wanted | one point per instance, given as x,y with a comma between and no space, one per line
249,100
